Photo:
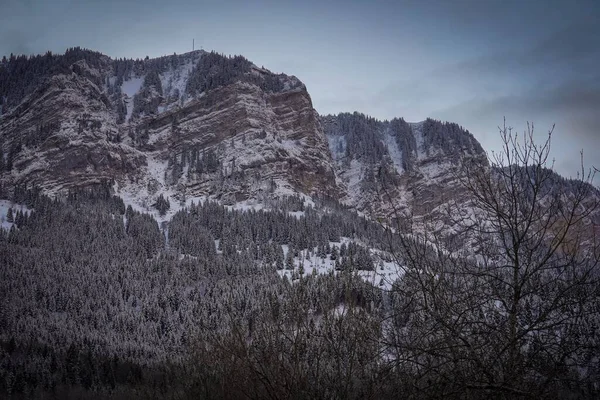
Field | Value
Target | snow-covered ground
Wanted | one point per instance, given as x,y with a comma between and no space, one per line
337,146
417,128
130,88
394,151
140,198
175,79
353,177
385,274
4,206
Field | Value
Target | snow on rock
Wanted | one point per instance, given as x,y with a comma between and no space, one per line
175,80
337,146
353,177
394,151
129,89
266,137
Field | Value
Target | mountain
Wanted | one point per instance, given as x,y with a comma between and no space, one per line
182,126
189,227
411,167
202,125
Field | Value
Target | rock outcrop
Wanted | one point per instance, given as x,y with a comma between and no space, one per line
395,168
187,126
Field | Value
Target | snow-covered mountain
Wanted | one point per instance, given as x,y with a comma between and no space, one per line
288,275
388,168
183,126
203,125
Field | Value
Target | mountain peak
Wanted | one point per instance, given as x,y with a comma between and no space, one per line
199,124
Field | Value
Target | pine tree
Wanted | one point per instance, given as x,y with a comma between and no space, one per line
162,205
289,260
334,253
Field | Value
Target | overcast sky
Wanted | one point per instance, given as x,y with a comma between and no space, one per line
470,62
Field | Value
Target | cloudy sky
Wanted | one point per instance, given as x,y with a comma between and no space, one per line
473,62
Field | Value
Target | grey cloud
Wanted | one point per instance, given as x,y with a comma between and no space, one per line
576,41
575,49
566,97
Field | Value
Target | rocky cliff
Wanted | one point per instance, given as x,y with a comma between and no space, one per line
393,168
184,126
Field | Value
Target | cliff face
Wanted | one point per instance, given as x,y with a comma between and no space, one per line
57,137
193,125
262,142
204,125
393,168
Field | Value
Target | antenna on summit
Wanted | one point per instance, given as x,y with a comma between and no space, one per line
193,44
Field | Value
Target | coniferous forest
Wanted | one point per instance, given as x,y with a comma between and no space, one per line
99,301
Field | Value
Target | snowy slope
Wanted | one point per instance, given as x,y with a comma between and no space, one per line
5,205
130,88
384,275
394,151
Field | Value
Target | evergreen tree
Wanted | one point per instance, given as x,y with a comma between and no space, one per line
289,260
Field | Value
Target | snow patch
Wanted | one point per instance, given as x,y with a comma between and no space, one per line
4,206
337,146
417,128
247,205
129,89
174,82
353,178
384,275
394,151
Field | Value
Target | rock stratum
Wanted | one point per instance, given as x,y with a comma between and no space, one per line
191,125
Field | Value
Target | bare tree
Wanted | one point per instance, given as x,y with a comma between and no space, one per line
516,313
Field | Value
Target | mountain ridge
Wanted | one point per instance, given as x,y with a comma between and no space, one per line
202,125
